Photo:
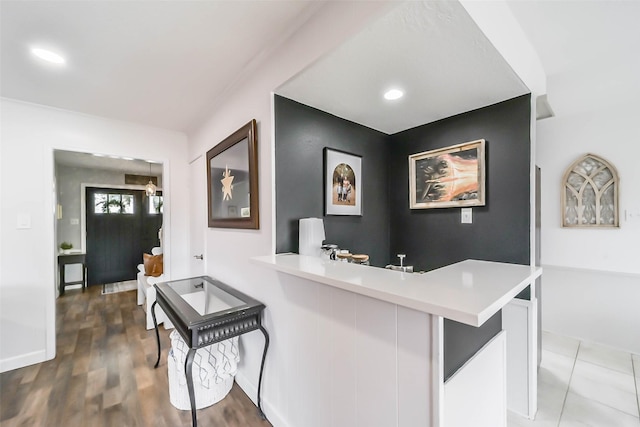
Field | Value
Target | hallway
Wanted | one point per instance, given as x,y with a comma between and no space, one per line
103,374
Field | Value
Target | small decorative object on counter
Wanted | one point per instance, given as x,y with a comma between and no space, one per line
344,256
311,235
362,259
329,251
401,267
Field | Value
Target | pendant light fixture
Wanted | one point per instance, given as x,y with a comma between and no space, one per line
150,189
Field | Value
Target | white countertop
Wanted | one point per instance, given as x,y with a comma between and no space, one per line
469,291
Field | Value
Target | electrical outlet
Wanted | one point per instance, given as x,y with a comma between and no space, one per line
466,216
632,214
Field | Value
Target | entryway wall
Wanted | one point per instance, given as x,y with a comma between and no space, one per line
29,136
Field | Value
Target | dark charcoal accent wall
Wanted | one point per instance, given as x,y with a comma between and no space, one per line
433,238
462,341
525,294
301,134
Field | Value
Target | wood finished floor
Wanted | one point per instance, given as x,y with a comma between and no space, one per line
103,374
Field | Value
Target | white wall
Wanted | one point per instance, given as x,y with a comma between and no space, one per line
29,135
599,274
612,134
312,377
69,182
325,366
596,306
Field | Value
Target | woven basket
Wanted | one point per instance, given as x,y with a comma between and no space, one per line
206,394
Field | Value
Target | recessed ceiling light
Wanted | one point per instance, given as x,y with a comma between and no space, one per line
393,94
47,55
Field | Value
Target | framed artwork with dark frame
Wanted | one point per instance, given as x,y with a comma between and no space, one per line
232,180
448,177
342,183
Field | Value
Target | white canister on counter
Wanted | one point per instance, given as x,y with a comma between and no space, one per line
311,236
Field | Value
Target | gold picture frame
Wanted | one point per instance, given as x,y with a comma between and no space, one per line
448,177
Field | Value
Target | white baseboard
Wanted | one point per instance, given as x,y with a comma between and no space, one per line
23,360
250,389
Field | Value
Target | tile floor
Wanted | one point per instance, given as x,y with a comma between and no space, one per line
585,384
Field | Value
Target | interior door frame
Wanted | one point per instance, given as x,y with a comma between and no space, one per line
51,203
198,222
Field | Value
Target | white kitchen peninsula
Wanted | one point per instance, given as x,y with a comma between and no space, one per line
469,292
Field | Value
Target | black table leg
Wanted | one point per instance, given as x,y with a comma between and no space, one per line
84,276
62,279
264,356
188,370
155,325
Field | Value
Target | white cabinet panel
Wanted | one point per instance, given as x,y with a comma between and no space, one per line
414,371
303,373
519,320
476,394
343,358
377,366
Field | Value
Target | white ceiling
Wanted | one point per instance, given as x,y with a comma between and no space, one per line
590,51
90,161
159,63
167,63
432,50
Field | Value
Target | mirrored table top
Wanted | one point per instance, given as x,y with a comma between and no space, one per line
203,298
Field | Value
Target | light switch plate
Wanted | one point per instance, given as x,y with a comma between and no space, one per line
24,221
466,216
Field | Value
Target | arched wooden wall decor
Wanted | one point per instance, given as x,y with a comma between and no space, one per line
590,193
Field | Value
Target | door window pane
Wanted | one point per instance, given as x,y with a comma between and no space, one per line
100,203
115,203
155,205
127,204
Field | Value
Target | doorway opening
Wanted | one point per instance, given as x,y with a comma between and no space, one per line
116,241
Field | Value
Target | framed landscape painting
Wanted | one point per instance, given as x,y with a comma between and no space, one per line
342,183
448,177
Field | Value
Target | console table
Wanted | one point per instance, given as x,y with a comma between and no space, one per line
205,311
73,258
